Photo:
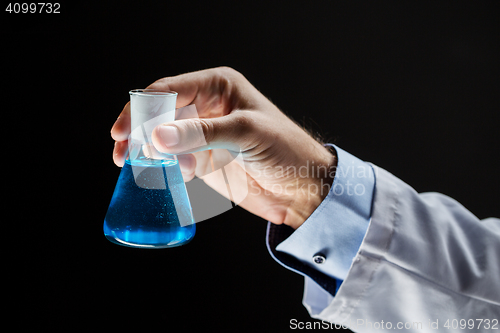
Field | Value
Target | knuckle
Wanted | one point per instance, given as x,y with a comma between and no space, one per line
228,73
243,124
160,84
208,130
227,70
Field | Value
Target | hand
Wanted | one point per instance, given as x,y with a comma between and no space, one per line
286,171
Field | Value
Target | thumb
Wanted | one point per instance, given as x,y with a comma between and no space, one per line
232,132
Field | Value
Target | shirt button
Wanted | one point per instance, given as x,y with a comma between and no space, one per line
319,259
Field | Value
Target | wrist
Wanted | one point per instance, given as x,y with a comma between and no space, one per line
313,189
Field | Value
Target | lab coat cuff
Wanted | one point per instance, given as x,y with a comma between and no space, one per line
324,246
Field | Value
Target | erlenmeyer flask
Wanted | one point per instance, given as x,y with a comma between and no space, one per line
150,207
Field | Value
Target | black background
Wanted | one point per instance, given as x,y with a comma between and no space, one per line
412,88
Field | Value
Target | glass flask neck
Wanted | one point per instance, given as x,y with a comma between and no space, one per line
148,109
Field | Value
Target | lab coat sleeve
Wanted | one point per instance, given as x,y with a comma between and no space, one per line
334,231
424,259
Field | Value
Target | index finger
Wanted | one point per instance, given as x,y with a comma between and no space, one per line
212,91
121,127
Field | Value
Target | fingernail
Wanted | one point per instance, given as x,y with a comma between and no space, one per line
169,135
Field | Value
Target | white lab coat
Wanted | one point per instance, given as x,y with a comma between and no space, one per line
424,259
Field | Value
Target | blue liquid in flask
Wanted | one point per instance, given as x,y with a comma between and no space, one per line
146,211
